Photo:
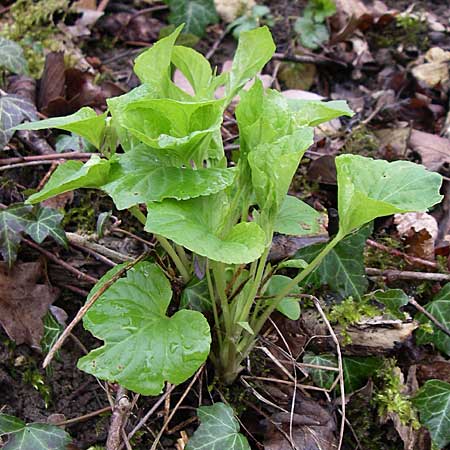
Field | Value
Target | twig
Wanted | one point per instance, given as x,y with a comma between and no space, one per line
408,258
216,44
84,309
84,417
68,155
25,164
308,59
430,316
121,407
407,275
134,236
60,262
158,437
96,255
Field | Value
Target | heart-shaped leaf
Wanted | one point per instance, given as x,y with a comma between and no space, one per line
73,175
393,300
47,222
219,430
33,436
297,218
139,177
85,123
11,57
439,308
13,110
371,188
195,224
143,346
433,403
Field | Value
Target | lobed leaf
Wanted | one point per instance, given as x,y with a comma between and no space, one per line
219,430
143,346
12,58
47,222
393,300
322,377
433,403
85,122
357,370
371,188
194,14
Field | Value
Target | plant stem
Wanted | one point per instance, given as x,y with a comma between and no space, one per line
219,278
214,306
165,244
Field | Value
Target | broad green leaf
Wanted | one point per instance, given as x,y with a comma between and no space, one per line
322,377
182,131
312,34
196,296
289,306
85,123
152,66
195,14
47,222
218,430
393,300
371,188
273,166
297,218
73,175
34,436
195,67
143,347
195,224
255,48
357,370
315,112
433,403
439,307
11,57
14,220
343,268
13,110
140,177
293,264
320,9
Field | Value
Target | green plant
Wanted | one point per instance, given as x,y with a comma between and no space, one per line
258,15
204,214
311,26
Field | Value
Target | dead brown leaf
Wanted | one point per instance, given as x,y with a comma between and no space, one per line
434,151
436,68
439,370
24,301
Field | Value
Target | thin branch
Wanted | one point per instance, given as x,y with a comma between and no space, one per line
122,406
84,309
430,316
68,155
407,275
84,417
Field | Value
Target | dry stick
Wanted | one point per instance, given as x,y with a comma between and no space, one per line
308,59
96,255
68,155
408,258
340,366
25,164
216,44
158,437
84,417
407,275
430,316
121,407
84,309
60,262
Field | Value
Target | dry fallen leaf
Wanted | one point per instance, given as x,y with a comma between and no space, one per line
436,70
420,231
434,151
24,301
230,10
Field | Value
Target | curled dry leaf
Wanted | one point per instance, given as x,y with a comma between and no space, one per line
420,231
436,68
230,10
24,301
434,151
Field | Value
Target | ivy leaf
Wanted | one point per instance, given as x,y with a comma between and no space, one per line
255,48
85,122
321,377
195,224
196,296
439,307
47,222
143,346
195,14
219,430
36,436
343,268
52,331
297,218
357,370
12,58
139,177
289,306
433,403
73,175
320,9
371,188
13,110
393,300
312,34
14,220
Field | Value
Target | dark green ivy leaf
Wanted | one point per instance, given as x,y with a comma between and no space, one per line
11,57
357,370
195,14
47,222
393,300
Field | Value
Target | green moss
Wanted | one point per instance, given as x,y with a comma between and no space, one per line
33,377
32,26
362,141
